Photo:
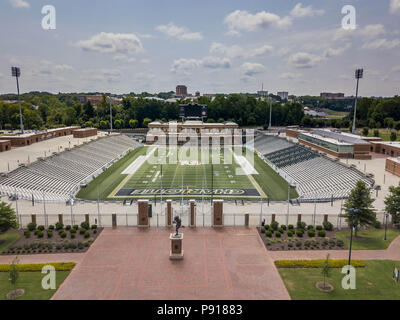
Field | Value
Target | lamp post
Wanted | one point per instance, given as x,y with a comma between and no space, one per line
358,75
16,72
386,222
353,211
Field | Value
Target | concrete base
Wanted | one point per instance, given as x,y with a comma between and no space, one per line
143,226
176,251
175,256
217,226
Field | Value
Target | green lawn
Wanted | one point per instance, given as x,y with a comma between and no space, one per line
371,239
10,238
31,282
190,176
374,282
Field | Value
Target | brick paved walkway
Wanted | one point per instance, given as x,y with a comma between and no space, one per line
132,263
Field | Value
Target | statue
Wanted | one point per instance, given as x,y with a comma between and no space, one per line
178,223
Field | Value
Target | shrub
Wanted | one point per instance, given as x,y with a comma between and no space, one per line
63,234
40,228
76,227
27,234
49,234
274,225
318,227
90,240
59,226
290,233
94,226
309,227
277,234
377,224
307,243
39,234
311,233
317,263
301,225
328,226
82,230
72,231
59,266
298,244
67,227
85,225
72,235
87,234
299,233
268,233
321,233
262,230
290,227
290,245
31,226
59,246
283,227
281,230
340,243
51,227
72,245
80,245
95,231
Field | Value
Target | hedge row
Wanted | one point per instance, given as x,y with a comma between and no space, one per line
317,263
59,266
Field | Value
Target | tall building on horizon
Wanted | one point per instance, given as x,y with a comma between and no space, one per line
181,90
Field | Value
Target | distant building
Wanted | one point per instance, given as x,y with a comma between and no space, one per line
181,90
283,94
197,94
262,93
330,95
95,99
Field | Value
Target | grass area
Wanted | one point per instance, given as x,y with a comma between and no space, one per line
272,183
371,239
374,282
335,114
31,282
9,238
384,134
176,175
108,180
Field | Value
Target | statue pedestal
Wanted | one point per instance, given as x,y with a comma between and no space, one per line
176,252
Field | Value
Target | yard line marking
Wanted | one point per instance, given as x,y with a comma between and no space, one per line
155,177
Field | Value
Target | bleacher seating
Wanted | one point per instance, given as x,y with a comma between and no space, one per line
316,177
54,178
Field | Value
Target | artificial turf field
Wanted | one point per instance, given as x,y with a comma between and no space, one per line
215,172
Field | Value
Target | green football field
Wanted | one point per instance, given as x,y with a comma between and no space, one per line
149,172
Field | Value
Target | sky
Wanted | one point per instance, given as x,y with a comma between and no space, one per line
211,46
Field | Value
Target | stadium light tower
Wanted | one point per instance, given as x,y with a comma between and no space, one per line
16,72
270,114
358,75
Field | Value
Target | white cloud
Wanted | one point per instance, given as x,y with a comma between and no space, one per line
300,12
20,4
260,51
290,76
64,67
244,21
180,33
373,30
396,69
124,58
381,43
216,63
251,69
303,60
120,43
236,51
332,52
185,66
394,6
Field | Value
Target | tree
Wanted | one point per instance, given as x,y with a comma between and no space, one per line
376,133
14,274
359,199
393,136
365,131
8,219
326,269
133,123
146,122
118,123
392,203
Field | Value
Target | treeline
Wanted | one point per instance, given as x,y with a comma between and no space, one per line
44,110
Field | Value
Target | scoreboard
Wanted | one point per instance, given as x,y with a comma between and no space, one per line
193,110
